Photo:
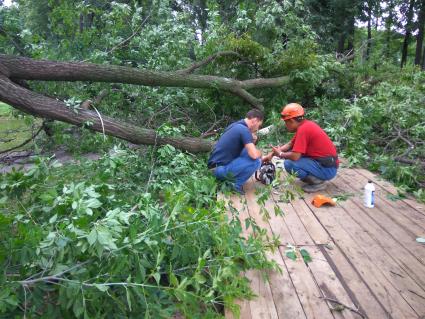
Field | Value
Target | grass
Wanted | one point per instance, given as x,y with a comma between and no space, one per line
4,109
13,130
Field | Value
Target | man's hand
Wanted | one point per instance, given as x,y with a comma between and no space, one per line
267,158
254,138
276,150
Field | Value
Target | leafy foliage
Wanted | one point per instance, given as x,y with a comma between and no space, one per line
98,239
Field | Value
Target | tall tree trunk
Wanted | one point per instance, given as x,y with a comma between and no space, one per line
420,35
369,30
81,22
377,14
408,32
423,60
341,43
351,29
388,23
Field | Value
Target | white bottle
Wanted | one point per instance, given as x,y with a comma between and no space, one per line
369,195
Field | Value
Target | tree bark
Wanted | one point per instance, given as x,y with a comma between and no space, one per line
420,35
423,60
45,107
369,30
408,29
351,29
388,23
29,69
341,43
14,70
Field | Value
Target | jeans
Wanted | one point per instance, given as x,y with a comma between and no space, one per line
239,170
307,166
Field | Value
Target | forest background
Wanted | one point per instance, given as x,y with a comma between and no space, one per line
139,231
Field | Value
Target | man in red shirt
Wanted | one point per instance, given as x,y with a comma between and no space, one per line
310,154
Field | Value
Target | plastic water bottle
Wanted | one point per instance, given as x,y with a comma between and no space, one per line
369,195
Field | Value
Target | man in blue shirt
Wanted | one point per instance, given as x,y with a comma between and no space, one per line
235,155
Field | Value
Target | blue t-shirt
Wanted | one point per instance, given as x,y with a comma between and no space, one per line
230,144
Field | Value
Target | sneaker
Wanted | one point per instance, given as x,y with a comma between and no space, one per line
314,188
312,180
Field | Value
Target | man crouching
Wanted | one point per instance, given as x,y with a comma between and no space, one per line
310,154
235,156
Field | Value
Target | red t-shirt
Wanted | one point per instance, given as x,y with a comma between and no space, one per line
310,140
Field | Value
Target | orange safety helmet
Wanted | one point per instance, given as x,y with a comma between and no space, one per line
292,110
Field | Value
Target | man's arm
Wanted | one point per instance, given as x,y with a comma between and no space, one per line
286,147
283,152
294,156
253,152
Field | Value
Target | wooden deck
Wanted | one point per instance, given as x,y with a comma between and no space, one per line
366,259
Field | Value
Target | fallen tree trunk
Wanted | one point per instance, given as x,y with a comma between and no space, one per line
15,70
20,68
45,107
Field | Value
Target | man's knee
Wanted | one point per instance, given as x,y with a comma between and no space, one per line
289,165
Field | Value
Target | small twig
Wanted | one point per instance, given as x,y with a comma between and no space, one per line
152,162
27,282
25,142
345,306
126,40
207,60
101,121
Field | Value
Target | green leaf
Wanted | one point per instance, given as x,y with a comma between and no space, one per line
200,279
128,295
291,254
101,287
306,255
93,203
157,277
92,237
173,280
53,218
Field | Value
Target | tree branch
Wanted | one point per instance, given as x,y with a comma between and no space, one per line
207,60
345,306
23,143
45,107
29,69
409,161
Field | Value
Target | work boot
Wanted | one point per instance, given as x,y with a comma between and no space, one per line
312,188
312,180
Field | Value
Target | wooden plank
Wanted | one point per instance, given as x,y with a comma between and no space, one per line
411,220
285,297
316,231
304,283
262,306
245,310
389,224
391,189
362,216
396,275
329,283
358,290
388,296
323,275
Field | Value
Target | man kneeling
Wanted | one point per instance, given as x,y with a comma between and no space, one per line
310,154
235,155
